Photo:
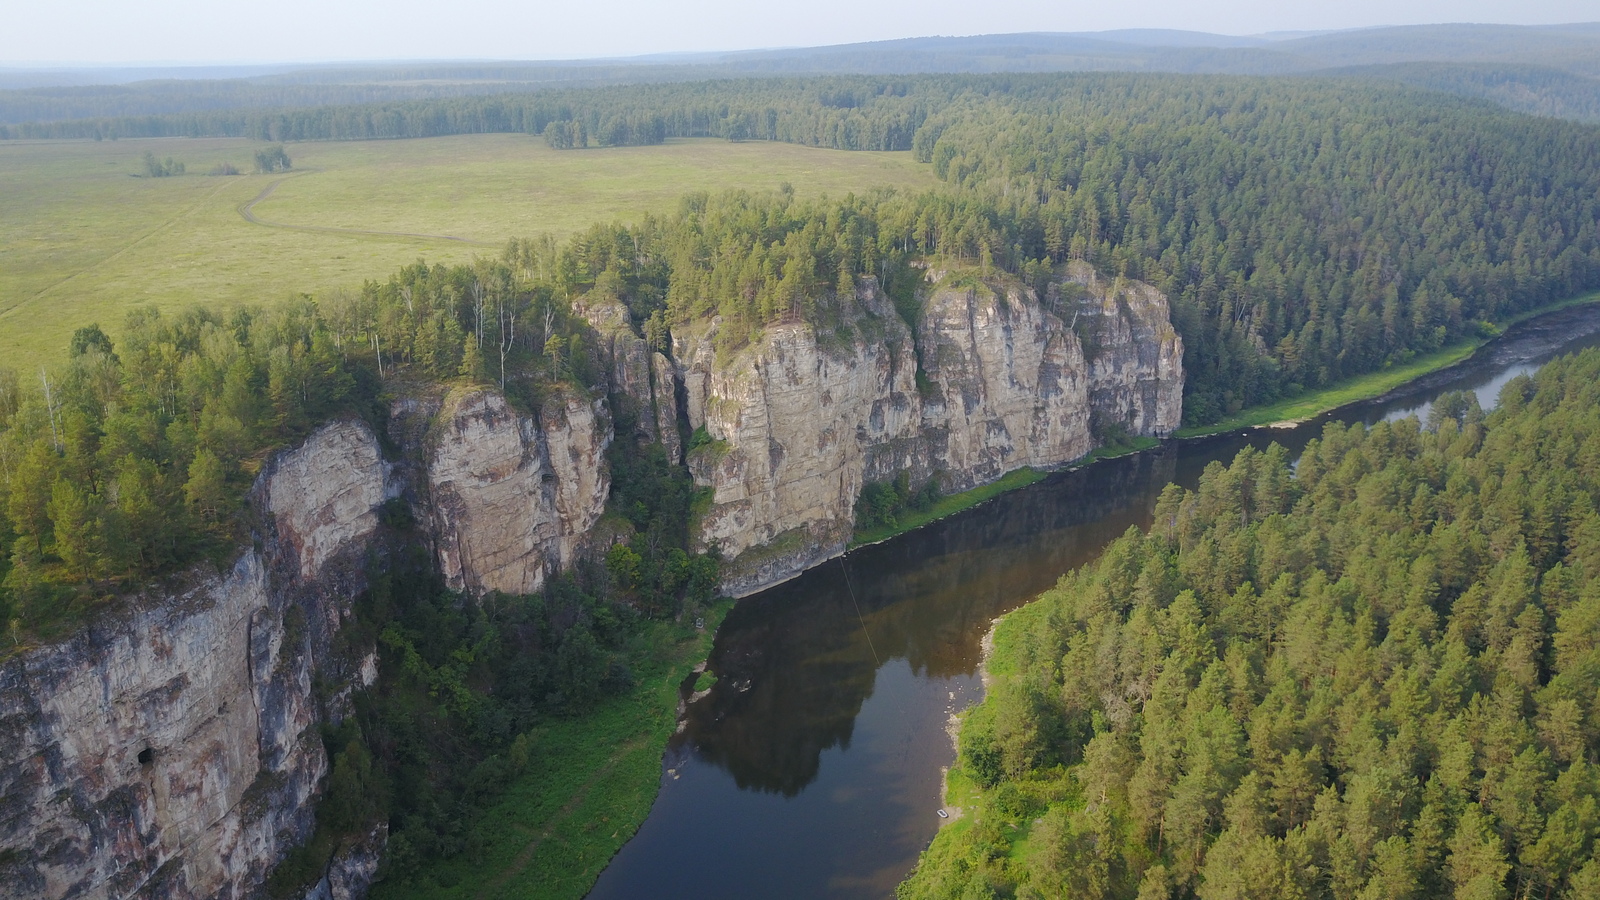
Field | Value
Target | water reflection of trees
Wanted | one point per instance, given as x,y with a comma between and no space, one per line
795,666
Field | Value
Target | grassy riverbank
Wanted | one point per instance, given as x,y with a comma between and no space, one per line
590,784
948,506
954,503
1372,384
989,827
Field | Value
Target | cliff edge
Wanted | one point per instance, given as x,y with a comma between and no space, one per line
990,379
170,749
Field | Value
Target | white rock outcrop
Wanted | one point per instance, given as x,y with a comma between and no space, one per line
993,381
170,749
514,497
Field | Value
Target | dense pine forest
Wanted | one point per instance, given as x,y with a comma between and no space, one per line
1372,674
1306,230
1347,679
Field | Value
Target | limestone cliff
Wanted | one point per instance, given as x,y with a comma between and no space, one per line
992,380
641,383
514,497
170,749
1136,363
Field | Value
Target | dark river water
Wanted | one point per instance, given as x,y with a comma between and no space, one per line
814,766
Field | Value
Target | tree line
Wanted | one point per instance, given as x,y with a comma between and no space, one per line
134,457
185,405
1306,230
1373,674
1303,235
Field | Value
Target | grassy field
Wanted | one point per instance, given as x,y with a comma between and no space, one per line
81,239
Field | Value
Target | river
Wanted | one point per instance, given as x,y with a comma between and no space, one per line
813,768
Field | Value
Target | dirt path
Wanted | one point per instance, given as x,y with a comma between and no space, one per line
247,211
526,856
178,217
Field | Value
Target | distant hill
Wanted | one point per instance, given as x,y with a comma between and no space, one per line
1544,70
1536,90
1574,48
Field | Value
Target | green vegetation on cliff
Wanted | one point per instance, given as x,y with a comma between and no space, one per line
1373,675
1305,231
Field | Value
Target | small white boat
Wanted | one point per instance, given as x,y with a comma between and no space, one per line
943,814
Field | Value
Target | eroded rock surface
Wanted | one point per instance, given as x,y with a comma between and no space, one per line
513,496
170,749
993,380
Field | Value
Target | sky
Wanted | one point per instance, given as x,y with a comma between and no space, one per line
206,31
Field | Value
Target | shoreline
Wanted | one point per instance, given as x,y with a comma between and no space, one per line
1283,414
1372,385
604,768
962,501
952,726
1441,362
951,506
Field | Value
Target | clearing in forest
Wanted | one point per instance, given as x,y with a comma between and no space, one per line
84,235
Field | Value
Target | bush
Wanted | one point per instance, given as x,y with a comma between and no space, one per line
161,168
883,502
272,159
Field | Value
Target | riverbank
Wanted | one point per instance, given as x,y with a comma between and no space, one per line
993,824
1373,384
590,784
949,505
1284,412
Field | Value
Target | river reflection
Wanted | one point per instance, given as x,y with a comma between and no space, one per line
813,768
798,661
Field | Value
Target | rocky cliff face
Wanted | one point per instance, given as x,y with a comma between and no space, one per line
1136,367
514,497
170,749
993,380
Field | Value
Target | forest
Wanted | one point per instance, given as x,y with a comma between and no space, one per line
1370,674
1341,679
1546,71
133,461
1303,234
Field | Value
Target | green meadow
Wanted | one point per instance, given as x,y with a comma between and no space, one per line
84,236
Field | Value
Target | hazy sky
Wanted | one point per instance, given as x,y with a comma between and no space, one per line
114,31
